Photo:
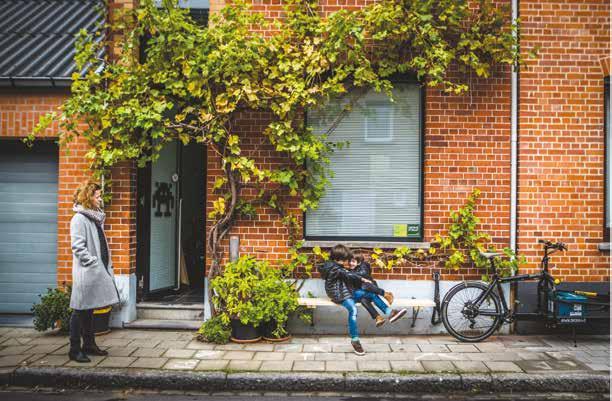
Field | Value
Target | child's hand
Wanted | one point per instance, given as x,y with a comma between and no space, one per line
365,280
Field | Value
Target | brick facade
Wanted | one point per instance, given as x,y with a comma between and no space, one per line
466,145
561,134
20,110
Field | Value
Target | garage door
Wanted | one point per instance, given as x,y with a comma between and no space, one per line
28,223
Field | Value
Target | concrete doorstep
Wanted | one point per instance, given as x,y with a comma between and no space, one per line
96,378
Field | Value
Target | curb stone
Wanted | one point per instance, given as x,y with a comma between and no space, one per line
561,382
393,383
6,375
295,381
304,382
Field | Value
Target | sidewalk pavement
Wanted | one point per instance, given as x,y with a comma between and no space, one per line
169,358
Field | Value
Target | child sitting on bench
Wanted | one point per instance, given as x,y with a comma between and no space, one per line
359,266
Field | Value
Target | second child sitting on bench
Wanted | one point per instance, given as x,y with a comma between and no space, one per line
360,267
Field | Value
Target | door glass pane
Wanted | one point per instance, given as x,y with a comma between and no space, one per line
164,211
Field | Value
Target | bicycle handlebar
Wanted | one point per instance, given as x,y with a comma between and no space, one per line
556,245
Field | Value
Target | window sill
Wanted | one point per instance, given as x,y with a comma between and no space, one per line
604,246
366,244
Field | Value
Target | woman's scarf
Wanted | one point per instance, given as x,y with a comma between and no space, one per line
97,216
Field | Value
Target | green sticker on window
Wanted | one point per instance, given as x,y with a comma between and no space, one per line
406,230
414,230
400,230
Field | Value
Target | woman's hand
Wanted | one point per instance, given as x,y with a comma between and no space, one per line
365,280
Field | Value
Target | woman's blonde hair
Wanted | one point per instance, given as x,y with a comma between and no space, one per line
84,193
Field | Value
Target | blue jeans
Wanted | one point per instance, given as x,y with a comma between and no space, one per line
351,307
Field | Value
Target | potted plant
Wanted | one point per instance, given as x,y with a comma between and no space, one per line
101,320
236,297
279,298
53,311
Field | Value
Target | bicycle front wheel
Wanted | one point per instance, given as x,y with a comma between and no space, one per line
463,319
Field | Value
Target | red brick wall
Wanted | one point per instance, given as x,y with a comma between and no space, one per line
561,134
467,145
20,110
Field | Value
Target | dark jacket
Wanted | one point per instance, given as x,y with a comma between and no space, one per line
338,281
364,270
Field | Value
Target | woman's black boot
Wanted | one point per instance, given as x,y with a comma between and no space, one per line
78,356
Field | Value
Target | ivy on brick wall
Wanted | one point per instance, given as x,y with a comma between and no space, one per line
193,82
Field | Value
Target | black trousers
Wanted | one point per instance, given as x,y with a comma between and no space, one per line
367,304
81,325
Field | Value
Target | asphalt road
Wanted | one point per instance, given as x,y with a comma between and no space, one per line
58,395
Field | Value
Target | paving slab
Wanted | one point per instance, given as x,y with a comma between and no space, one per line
259,347
121,351
497,366
269,356
470,367
438,366
218,364
94,361
244,365
317,348
149,363
299,356
276,366
341,366
51,360
308,366
330,356
181,364
179,353
433,348
116,362
239,355
16,350
289,347
12,360
209,354
407,366
374,366
148,352
198,345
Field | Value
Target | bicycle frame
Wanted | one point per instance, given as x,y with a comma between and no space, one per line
546,282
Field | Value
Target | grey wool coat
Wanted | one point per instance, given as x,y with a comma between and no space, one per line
93,285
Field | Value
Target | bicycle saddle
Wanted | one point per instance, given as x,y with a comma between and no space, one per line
490,255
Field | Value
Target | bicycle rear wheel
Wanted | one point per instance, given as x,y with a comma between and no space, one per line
466,322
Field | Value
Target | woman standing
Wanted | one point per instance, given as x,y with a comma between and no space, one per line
93,285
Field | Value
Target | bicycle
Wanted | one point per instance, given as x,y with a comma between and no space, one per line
473,310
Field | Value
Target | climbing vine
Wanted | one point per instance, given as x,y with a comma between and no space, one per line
192,83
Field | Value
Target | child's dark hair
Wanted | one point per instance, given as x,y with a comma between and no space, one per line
358,256
340,252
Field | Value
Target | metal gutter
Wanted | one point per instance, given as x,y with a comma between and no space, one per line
514,144
35,82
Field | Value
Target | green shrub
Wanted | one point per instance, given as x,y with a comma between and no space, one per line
215,331
54,307
255,292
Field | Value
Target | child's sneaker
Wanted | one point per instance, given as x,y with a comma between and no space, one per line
357,348
396,314
388,296
380,321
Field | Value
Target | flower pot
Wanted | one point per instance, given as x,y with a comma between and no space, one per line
267,330
244,333
101,319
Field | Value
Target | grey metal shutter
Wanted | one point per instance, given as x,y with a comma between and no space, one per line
28,223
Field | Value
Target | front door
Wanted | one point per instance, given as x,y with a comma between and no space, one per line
171,205
164,218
